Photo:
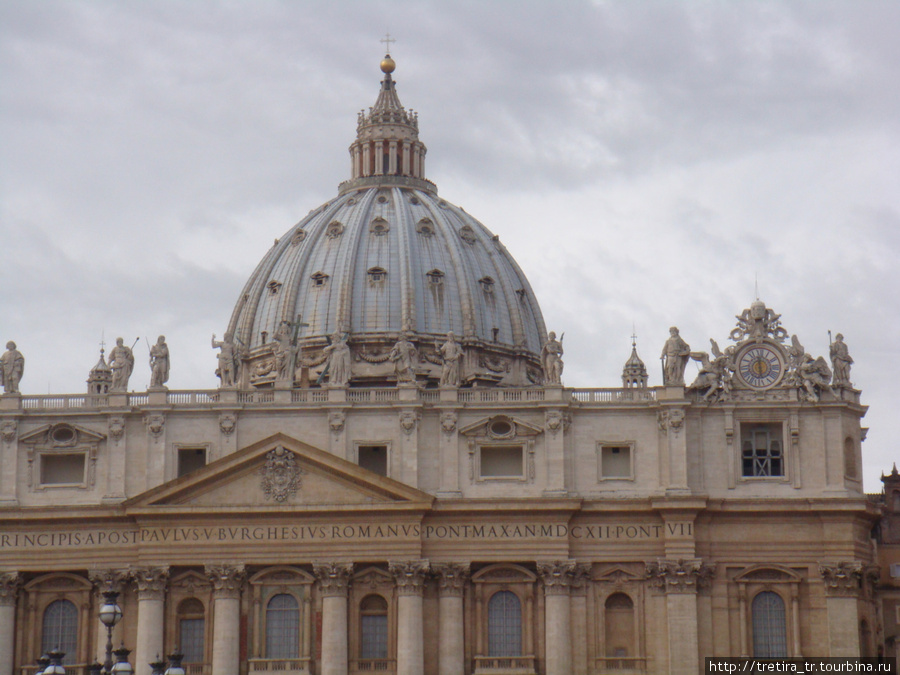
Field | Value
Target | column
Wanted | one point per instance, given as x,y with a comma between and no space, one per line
842,581
557,577
407,147
9,589
379,158
451,643
392,157
366,160
680,580
151,593
410,580
334,578
226,582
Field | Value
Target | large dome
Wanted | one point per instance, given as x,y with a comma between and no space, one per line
389,257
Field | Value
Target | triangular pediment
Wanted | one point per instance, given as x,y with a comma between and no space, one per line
279,472
61,434
501,427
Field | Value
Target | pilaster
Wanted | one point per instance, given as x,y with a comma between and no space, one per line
555,424
842,582
115,459
9,460
449,451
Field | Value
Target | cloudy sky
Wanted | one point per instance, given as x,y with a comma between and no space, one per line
647,163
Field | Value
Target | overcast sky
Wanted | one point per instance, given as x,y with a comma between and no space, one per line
645,162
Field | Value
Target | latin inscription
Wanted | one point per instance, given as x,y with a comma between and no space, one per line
337,533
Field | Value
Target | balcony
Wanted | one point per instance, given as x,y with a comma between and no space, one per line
621,664
373,666
284,666
505,665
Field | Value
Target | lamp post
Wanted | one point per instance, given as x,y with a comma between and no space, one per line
158,666
110,615
175,664
42,664
55,666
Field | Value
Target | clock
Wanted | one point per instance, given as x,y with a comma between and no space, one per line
760,366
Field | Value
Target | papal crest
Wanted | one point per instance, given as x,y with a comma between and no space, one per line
280,474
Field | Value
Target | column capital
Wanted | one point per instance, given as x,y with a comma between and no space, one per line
226,580
679,576
334,578
109,579
9,587
150,581
557,576
452,577
409,576
842,578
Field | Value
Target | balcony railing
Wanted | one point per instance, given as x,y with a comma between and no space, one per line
505,665
284,666
621,664
197,669
373,666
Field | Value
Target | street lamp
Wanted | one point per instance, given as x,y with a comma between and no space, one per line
55,666
122,666
158,666
42,664
175,664
110,615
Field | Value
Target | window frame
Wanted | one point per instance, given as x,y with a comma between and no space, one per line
44,455
178,447
480,477
785,644
369,444
748,424
297,639
601,446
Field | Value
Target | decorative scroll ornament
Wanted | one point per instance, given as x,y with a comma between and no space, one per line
409,576
557,576
671,419
280,474
333,577
408,421
448,422
8,431
842,578
758,322
336,422
117,427
155,425
227,423
556,420
679,576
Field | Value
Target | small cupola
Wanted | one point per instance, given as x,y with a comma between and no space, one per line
634,374
100,378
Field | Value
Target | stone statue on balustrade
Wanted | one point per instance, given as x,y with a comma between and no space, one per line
551,358
840,362
228,360
159,364
405,357
12,367
284,353
451,354
121,360
339,360
675,355
714,378
814,376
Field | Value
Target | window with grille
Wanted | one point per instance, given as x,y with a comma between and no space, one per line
283,627
192,630
769,628
373,628
504,624
762,453
60,630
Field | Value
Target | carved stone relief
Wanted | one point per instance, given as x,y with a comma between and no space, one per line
333,577
679,576
671,419
150,581
116,427
155,424
9,588
227,423
448,422
452,577
409,576
408,421
280,474
8,431
557,576
336,422
842,578
226,580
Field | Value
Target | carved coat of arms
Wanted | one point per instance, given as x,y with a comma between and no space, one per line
280,474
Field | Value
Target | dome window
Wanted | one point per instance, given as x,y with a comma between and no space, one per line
487,284
435,277
425,227
414,201
319,279
382,199
335,230
467,234
377,274
299,236
274,287
379,227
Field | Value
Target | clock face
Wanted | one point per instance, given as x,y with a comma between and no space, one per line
760,366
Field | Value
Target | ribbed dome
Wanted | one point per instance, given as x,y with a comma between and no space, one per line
388,256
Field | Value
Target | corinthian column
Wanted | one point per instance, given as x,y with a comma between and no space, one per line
451,647
334,578
226,581
9,589
410,580
151,593
557,577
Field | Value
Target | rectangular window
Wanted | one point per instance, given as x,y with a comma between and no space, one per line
502,461
762,450
373,458
63,469
190,459
615,461
191,634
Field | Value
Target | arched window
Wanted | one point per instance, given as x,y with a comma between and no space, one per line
769,628
619,623
60,629
283,627
192,630
504,624
373,627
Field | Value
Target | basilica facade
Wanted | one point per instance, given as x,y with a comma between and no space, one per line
393,478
